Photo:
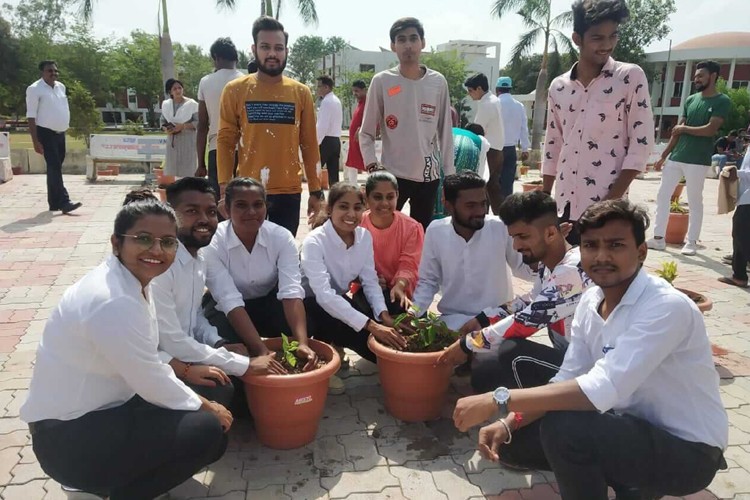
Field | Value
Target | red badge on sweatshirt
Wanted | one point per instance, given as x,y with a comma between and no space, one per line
395,90
391,121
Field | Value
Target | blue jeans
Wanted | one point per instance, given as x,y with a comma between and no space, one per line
721,161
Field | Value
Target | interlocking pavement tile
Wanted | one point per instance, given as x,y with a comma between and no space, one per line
225,475
23,473
729,482
506,495
415,483
329,456
372,481
259,475
422,441
55,492
339,426
274,492
373,414
361,451
740,420
29,491
495,481
15,439
194,487
9,458
540,492
737,436
387,494
450,478
702,495
338,407
12,424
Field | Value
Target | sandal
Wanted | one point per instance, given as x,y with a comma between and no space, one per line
731,281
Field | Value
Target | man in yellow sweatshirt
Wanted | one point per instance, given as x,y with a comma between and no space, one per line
270,118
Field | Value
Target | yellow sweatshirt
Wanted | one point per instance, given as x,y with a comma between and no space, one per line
271,123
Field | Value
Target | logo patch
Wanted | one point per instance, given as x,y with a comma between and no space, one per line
391,121
427,109
607,348
303,400
395,90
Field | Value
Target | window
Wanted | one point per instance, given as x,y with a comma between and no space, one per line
364,68
740,84
677,91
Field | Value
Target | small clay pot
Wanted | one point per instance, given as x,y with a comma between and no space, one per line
531,187
324,179
677,226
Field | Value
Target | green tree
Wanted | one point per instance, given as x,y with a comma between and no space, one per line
84,117
344,89
536,16
333,45
738,113
306,9
453,68
83,57
304,56
648,23
192,64
10,66
43,17
525,69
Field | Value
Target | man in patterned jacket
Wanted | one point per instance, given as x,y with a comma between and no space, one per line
515,361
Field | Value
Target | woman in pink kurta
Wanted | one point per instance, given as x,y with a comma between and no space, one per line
397,241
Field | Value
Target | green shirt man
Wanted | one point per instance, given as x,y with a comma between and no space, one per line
698,111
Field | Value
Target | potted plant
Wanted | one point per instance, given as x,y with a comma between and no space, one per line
414,386
668,272
677,225
535,185
678,191
287,408
523,169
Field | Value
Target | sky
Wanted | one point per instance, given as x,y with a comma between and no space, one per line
365,24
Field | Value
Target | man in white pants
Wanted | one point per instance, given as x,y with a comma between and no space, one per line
691,147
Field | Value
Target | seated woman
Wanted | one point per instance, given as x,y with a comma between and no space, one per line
105,414
397,242
253,275
334,254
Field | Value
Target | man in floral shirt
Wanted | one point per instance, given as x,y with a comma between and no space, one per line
600,129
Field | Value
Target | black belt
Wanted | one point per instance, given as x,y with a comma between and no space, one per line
44,425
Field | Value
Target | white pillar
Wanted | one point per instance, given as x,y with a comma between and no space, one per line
686,82
669,83
730,81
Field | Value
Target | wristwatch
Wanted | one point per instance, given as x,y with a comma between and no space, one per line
502,398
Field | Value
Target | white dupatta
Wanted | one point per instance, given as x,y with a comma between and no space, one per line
183,115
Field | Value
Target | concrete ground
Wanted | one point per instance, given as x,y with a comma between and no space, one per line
360,452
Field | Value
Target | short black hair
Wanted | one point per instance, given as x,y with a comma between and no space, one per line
138,194
175,190
170,83
45,63
265,23
475,127
528,207
477,80
241,182
360,84
598,214
133,212
405,23
710,66
455,183
325,80
588,13
379,176
223,48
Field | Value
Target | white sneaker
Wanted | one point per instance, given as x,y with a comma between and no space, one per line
690,248
657,244
335,386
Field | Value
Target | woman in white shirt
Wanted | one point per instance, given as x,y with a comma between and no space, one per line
105,414
334,254
253,275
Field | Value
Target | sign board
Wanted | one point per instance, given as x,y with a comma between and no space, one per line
4,145
131,147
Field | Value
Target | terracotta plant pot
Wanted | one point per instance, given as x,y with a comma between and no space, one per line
287,408
324,179
414,388
523,169
162,194
17,170
677,227
704,303
677,193
531,187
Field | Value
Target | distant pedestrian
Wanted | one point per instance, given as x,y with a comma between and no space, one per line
516,127
49,117
354,161
179,118
328,128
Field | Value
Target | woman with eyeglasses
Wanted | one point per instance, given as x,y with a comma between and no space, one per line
106,416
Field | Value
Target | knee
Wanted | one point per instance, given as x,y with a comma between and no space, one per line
204,437
562,430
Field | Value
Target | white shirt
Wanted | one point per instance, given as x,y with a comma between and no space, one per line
330,116
328,268
48,105
209,91
235,275
472,275
184,331
515,123
99,349
651,359
489,117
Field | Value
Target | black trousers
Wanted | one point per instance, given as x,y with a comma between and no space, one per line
394,308
322,326
519,364
589,451
330,157
495,166
134,451
421,197
266,313
54,156
741,242
508,172
222,394
284,209
213,173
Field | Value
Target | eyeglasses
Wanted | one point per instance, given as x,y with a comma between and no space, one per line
146,241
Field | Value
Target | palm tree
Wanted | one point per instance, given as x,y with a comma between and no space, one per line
306,9
537,17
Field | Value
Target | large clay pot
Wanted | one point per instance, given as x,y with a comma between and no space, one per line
704,303
287,408
324,179
531,187
414,387
677,227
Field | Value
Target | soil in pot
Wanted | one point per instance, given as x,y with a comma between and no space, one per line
287,408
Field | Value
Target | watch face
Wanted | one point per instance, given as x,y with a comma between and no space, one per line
501,395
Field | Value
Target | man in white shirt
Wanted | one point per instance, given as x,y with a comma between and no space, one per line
224,55
49,117
516,127
489,117
328,128
460,258
636,403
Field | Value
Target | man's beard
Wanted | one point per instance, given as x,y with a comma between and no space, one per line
189,241
272,71
699,87
474,224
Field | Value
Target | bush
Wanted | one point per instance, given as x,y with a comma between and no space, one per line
133,127
85,119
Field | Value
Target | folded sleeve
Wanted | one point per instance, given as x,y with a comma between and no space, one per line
430,273
290,276
369,278
219,280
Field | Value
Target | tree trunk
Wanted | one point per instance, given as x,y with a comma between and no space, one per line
165,48
278,9
333,67
540,99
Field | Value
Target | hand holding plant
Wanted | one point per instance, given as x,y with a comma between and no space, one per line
386,335
266,365
453,355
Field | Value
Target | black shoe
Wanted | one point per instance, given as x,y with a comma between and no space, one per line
70,207
54,209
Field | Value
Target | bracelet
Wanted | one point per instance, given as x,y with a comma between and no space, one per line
507,428
187,368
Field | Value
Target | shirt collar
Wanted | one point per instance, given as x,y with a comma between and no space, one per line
330,231
234,241
183,256
609,66
633,293
129,281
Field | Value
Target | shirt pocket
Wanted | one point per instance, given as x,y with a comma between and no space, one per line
606,113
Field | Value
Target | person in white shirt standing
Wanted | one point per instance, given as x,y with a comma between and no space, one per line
328,128
490,118
105,414
516,127
636,402
224,55
49,117
466,257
